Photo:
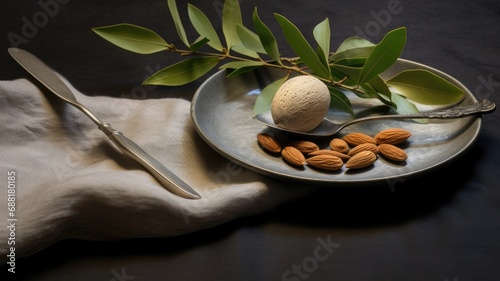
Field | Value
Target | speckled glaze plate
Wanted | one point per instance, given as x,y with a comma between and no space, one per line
222,112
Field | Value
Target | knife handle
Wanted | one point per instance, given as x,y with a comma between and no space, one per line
168,179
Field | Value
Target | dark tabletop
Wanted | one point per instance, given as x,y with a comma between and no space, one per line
442,226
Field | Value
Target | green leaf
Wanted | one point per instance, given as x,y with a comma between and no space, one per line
249,39
340,101
241,70
351,72
302,48
183,72
352,62
267,38
384,94
386,99
361,52
200,42
204,27
353,47
354,42
240,64
383,55
339,75
240,48
367,92
172,6
231,17
322,35
133,38
403,106
265,98
425,87
380,86
321,56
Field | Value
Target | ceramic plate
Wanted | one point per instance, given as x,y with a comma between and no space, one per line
222,111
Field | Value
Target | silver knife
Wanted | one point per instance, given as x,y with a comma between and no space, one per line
51,80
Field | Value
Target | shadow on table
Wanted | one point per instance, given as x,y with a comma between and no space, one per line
385,204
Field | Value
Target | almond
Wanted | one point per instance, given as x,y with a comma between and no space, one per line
325,162
339,145
330,152
392,152
361,160
268,143
363,147
293,156
354,139
392,136
305,146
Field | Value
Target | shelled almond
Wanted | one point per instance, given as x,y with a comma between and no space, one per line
304,146
339,145
325,162
340,155
355,150
361,160
357,138
269,143
392,152
392,136
293,156
363,147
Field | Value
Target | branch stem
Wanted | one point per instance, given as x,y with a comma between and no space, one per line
292,67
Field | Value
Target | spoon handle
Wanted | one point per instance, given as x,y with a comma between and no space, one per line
483,106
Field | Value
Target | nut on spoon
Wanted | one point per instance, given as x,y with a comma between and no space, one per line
328,128
51,80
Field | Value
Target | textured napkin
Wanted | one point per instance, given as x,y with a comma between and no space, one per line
68,179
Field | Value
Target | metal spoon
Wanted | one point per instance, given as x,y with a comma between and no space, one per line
49,79
328,128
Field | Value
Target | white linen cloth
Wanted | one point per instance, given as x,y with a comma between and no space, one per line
72,182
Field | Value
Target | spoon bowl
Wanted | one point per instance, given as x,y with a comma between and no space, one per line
324,129
328,128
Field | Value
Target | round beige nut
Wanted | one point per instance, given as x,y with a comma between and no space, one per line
301,103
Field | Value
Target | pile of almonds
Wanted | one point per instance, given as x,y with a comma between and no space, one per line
355,150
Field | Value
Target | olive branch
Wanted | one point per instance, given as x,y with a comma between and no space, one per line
355,66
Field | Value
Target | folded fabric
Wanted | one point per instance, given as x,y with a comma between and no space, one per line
66,179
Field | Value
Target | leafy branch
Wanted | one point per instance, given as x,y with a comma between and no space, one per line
355,66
